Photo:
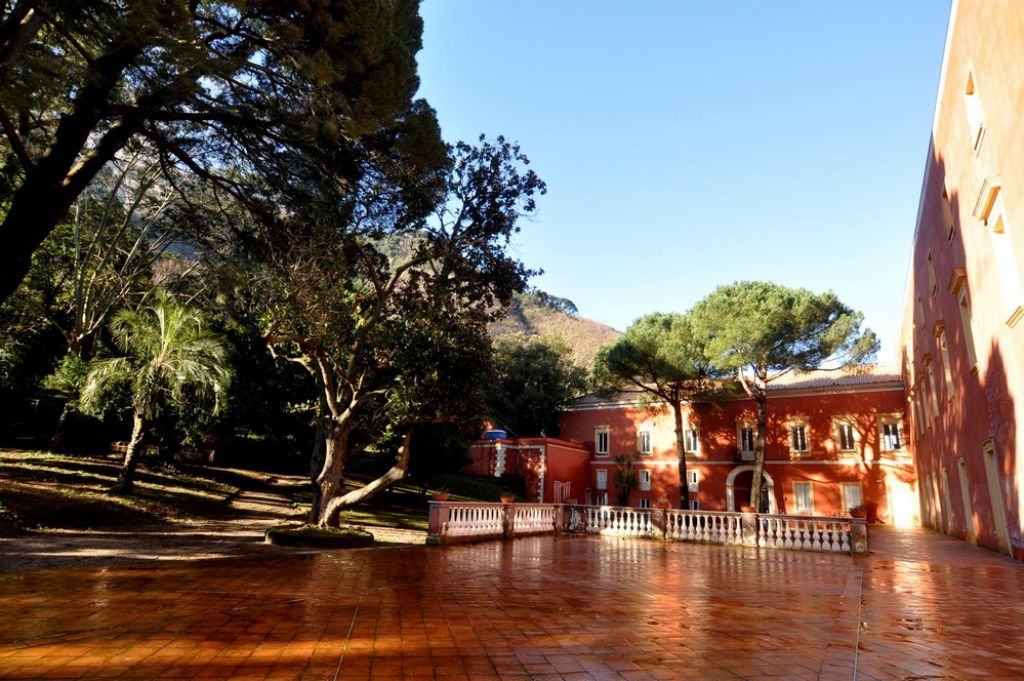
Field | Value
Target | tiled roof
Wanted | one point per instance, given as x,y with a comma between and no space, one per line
821,379
866,374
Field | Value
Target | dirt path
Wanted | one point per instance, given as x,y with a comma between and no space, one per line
264,501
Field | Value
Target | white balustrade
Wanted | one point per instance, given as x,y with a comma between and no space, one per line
708,527
533,518
804,533
457,521
472,520
619,521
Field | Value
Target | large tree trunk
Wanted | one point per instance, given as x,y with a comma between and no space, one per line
331,507
316,463
759,446
331,478
684,483
126,481
57,439
57,178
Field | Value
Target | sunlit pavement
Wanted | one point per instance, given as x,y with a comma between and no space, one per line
920,607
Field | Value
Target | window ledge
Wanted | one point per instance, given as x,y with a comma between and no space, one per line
1015,316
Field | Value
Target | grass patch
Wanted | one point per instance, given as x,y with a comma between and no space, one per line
469,487
56,491
380,515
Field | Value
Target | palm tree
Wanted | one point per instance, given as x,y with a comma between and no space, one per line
170,357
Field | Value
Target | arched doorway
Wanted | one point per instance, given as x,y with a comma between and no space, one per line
737,488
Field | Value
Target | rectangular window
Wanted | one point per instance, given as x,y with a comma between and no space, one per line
891,436
645,481
645,502
602,479
746,438
851,495
847,437
644,441
975,116
947,369
802,499
798,437
918,421
992,212
958,287
690,441
947,214
601,499
693,478
933,389
933,282
694,505
601,441
747,444
921,392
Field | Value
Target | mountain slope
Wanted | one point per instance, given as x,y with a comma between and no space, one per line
538,314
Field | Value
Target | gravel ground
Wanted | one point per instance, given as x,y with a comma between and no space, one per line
251,513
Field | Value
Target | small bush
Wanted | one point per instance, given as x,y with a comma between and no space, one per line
471,486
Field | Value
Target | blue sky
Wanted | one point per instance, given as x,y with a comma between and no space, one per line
691,144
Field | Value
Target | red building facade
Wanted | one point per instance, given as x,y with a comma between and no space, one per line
835,441
962,337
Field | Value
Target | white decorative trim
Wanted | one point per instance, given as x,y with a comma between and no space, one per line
543,472
499,460
776,393
838,390
804,462
646,463
605,405
730,501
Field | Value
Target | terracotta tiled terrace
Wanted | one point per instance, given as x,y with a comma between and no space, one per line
920,607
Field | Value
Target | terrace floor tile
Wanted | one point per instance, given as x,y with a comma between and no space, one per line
921,605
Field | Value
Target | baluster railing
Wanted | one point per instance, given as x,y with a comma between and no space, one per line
533,518
620,521
457,521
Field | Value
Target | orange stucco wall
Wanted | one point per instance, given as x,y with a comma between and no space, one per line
538,460
823,464
980,408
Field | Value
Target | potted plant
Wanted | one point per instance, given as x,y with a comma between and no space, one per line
662,504
860,511
507,498
442,494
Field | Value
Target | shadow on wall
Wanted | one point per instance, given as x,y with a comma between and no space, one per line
1003,430
965,455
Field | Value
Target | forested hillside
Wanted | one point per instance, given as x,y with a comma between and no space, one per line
539,314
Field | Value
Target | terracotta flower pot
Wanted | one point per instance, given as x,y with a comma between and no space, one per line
747,509
507,498
441,496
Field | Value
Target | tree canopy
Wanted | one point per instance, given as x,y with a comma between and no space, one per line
388,309
661,358
169,358
272,102
761,331
766,327
536,379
